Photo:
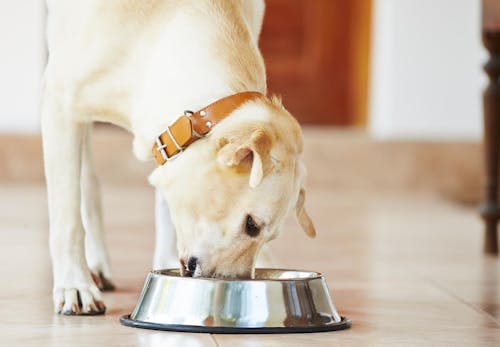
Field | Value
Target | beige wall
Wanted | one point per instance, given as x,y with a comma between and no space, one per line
22,57
426,69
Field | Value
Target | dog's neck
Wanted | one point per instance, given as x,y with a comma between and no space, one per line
209,62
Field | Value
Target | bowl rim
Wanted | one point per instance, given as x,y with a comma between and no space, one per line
345,323
315,275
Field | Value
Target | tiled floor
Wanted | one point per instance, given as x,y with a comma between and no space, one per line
407,268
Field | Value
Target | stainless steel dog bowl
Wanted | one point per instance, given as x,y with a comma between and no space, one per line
276,301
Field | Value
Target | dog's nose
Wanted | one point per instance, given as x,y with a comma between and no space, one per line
192,264
188,269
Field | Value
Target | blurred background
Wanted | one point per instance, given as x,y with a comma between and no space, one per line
358,63
372,71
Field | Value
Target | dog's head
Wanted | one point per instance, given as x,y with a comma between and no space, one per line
229,193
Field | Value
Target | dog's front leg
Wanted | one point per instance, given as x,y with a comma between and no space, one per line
74,291
166,241
95,246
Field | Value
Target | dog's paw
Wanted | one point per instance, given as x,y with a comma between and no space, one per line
101,274
79,301
102,282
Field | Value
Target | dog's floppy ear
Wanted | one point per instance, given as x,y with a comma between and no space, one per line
302,216
254,151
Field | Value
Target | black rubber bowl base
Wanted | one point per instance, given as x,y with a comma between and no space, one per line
127,321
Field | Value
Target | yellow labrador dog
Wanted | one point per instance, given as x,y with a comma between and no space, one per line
229,170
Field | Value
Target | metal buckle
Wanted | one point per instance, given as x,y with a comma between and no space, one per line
161,147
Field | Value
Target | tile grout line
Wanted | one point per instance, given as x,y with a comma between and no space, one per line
215,340
455,296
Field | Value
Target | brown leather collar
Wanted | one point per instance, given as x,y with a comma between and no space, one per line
193,126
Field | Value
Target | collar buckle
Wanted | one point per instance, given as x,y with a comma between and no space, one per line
200,124
161,147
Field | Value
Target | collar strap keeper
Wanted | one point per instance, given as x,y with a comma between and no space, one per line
192,126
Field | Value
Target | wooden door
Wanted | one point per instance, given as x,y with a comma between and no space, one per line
316,53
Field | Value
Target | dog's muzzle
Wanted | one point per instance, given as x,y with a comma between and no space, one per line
188,269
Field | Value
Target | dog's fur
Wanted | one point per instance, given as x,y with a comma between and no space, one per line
139,64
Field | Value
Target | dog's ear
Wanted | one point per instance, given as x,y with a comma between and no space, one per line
302,216
254,151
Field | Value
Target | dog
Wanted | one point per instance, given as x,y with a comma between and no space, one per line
140,64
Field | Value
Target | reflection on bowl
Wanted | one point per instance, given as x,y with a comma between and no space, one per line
276,301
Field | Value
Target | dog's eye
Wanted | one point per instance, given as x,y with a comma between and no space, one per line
251,227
